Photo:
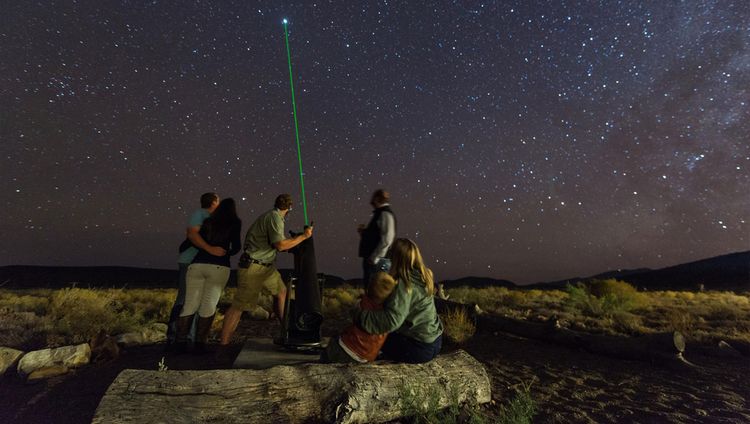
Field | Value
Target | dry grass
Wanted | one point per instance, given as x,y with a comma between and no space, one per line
338,302
615,307
38,318
458,327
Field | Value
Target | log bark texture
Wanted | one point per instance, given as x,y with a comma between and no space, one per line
327,393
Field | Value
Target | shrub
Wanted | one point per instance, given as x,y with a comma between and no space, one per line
627,322
345,297
604,297
10,302
521,409
515,298
81,313
680,320
331,307
458,327
616,295
338,301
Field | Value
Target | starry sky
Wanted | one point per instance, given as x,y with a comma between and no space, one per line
524,140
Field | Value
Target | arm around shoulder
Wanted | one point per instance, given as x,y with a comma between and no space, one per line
391,317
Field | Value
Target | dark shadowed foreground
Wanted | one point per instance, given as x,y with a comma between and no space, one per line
568,385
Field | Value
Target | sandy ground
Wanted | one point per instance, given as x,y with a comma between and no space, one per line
568,385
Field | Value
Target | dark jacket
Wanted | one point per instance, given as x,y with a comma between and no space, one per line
228,238
371,234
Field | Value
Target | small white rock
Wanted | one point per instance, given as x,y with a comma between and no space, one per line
69,356
8,358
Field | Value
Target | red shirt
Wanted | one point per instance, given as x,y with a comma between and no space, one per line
360,342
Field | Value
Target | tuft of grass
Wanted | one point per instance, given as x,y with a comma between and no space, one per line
423,406
458,327
521,409
162,365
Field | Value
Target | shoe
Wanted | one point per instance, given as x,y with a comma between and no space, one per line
181,339
201,334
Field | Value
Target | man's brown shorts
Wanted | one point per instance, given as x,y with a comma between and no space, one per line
252,281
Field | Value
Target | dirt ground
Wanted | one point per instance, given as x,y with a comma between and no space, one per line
568,385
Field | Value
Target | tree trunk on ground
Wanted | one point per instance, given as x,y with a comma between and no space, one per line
292,394
740,346
664,348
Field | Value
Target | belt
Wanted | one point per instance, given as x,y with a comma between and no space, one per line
245,263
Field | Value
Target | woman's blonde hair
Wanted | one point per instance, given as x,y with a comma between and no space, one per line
405,258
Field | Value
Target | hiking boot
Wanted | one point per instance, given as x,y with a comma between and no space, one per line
181,339
202,332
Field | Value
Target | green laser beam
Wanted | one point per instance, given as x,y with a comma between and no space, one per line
296,126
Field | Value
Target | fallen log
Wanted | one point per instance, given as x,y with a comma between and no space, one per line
328,393
741,346
663,348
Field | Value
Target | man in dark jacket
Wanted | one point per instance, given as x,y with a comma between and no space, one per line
377,236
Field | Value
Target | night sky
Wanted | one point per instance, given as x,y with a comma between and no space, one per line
521,140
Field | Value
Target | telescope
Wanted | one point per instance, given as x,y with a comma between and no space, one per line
303,316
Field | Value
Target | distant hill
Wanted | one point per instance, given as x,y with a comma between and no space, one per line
27,276
478,282
725,272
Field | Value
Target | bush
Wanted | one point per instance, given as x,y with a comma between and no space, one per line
627,323
338,302
680,320
458,327
9,302
604,298
616,295
81,313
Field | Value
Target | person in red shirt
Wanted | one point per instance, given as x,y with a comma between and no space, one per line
355,345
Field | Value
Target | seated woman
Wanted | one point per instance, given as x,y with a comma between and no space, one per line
408,314
354,345
207,275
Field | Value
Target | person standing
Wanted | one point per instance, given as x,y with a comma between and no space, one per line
208,275
377,237
209,202
256,271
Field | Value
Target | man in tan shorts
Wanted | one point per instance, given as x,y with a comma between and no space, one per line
257,271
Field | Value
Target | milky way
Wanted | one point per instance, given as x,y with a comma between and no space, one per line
520,140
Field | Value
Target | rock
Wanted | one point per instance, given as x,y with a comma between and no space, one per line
259,313
69,356
47,372
8,358
151,334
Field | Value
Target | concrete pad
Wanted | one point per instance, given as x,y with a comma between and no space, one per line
262,353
